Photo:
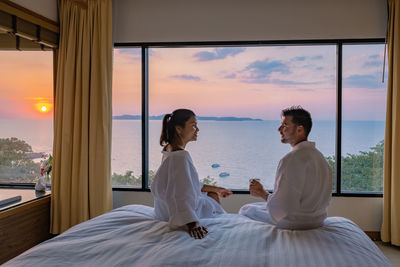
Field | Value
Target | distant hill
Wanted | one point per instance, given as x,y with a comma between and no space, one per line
159,117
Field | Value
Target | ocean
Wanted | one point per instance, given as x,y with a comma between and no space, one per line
242,149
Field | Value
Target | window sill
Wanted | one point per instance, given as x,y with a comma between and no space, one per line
246,192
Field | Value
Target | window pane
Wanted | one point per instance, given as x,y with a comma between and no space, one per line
364,106
26,114
242,82
126,155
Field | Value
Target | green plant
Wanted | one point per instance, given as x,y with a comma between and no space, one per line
209,181
363,171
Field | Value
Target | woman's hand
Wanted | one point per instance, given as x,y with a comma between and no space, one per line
256,189
223,192
197,231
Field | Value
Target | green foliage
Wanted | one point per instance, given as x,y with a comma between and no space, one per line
128,179
332,162
13,152
15,164
209,181
47,165
363,171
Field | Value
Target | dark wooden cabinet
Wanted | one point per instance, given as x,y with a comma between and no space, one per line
24,225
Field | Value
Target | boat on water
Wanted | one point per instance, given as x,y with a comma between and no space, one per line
224,174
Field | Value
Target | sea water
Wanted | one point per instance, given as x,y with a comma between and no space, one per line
242,149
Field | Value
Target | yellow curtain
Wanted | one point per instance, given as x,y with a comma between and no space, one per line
390,231
81,186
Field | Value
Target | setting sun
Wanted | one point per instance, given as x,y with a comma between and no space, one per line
43,107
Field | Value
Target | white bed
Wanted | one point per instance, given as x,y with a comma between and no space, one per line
129,236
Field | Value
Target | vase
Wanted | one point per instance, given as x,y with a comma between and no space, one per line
40,184
47,178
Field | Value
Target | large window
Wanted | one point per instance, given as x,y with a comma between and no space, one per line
26,114
238,91
226,84
363,119
126,151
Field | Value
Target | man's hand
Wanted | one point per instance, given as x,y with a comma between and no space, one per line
256,189
223,192
197,231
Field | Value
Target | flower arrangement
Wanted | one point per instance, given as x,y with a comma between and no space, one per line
46,166
45,171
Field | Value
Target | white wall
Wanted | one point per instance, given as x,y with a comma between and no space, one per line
239,20
366,212
46,8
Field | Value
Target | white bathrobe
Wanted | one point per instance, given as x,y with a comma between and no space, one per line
302,191
177,191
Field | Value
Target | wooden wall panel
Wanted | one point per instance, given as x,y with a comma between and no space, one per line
23,227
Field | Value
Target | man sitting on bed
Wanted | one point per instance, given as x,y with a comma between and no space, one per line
303,181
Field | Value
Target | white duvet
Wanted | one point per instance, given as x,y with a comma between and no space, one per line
129,236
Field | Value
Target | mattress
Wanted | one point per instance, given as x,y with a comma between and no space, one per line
130,236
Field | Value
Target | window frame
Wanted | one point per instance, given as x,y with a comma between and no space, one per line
339,69
54,70
145,99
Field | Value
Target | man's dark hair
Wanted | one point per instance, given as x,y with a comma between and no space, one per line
299,116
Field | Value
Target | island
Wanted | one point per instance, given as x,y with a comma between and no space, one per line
160,117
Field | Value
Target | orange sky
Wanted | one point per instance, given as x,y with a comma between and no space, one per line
262,81
26,84
252,82
208,93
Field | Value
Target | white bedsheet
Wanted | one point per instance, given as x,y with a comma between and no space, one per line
129,236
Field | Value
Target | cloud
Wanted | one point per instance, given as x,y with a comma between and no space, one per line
230,76
373,61
305,90
257,89
318,57
304,58
263,69
299,58
187,77
287,82
376,56
363,81
130,51
218,53
278,81
259,72
39,98
373,64
134,52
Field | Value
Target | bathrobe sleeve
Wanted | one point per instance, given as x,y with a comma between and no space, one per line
290,177
181,194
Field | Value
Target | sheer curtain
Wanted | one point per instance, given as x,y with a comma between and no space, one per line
390,231
81,186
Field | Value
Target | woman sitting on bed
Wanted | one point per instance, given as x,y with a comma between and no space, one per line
179,197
